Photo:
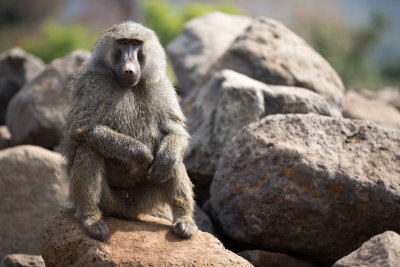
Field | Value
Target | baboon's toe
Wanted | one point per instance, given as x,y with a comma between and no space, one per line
98,230
184,228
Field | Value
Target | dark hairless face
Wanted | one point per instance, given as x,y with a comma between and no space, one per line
128,58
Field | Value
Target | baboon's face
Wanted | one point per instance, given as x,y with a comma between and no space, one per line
127,58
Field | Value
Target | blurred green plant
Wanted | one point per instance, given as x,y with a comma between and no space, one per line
348,49
390,71
56,40
168,21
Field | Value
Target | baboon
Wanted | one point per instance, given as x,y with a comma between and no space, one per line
125,134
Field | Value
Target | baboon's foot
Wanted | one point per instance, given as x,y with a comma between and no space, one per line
184,227
97,229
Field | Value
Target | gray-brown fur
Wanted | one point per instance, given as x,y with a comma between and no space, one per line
125,144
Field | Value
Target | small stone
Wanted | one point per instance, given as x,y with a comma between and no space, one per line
22,260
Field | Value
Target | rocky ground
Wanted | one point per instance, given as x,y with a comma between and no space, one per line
289,169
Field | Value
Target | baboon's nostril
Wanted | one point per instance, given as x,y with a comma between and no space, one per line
129,72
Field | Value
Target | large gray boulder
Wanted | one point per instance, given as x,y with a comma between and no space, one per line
204,222
261,258
34,186
358,106
16,68
269,52
381,250
202,42
145,242
228,102
36,115
309,185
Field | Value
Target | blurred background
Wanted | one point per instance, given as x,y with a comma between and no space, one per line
359,38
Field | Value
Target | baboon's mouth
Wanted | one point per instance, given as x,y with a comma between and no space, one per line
129,82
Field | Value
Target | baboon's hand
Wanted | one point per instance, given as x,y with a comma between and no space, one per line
146,157
162,169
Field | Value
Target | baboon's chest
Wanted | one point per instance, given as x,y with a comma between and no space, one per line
136,118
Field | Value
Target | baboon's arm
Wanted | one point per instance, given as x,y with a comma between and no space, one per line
115,145
173,145
170,152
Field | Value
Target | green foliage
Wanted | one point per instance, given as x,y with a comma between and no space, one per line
163,19
390,71
168,21
57,41
348,49
192,10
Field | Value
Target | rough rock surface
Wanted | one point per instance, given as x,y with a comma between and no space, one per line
5,137
381,250
228,102
203,41
16,68
36,114
146,242
22,260
357,106
34,186
308,185
261,258
269,52
220,110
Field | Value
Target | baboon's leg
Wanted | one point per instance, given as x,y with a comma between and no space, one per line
87,183
140,200
179,194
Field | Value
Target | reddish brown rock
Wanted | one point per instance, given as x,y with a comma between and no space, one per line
145,242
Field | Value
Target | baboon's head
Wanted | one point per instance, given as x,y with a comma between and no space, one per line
131,51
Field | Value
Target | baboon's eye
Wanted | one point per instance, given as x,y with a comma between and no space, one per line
122,41
136,42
